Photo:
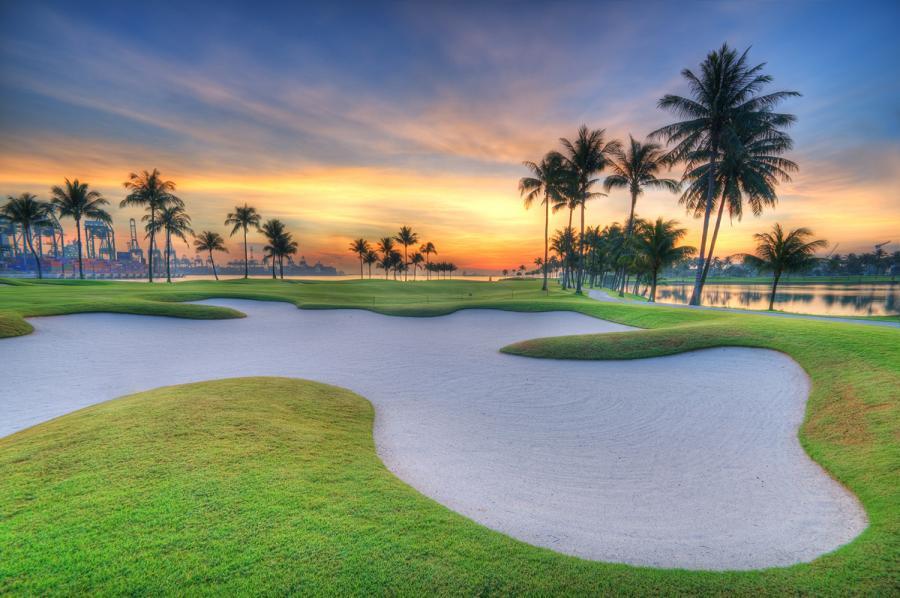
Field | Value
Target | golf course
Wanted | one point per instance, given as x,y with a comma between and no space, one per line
258,471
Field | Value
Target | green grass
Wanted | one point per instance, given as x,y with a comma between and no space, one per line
273,486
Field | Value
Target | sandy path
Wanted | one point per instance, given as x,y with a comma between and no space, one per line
684,461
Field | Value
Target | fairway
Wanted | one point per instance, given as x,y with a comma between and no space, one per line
859,455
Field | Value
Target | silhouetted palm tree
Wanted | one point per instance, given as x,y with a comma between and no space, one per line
585,157
150,191
273,230
209,241
27,211
74,200
725,95
370,258
174,221
427,249
285,246
547,182
242,219
778,253
751,169
360,247
635,169
656,248
406,237
414,260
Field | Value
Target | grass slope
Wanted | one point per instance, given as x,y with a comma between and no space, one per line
851,428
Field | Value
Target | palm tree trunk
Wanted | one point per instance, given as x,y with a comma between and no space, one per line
30,242
211,261
281,266
168,256
712,244
710,195
246,258
546,238
80,263
360,267
273,266
152,239
653,286
580,253
629,232
774,288
405,263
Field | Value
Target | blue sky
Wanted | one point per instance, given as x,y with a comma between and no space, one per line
353,118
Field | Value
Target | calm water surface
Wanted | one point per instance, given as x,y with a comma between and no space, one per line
824,299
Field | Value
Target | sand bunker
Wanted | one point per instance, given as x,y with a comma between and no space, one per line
684,461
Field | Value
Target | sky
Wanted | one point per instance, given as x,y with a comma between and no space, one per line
349,120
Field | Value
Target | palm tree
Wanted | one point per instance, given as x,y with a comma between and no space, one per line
284,246
725,95
75,201
242,219
752,169
273,230
656,248
584,158
427,249
209,241
174,221
547,181
151,192
370,258
27,211
360,247
406,237
414,260
635,169
779,253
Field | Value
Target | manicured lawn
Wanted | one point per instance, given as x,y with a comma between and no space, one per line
273,486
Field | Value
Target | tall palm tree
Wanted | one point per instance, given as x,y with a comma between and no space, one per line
273,229
370,258
635,169
209,241
547,182
585,157
27,211
725,95
75,201
751,169
414,260
427,249
174,222
655,243
360,247
150,191
779,253
406,237
242,219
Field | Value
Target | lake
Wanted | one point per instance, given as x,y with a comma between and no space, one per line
824,299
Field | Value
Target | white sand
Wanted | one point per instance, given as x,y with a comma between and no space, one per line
684,461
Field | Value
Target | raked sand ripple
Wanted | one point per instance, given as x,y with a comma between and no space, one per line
685,461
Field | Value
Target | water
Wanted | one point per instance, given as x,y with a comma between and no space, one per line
822,299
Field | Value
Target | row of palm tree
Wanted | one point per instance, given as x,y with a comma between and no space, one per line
653,246
165,215
730,142
390,259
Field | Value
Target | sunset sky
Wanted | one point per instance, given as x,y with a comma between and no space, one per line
348,120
